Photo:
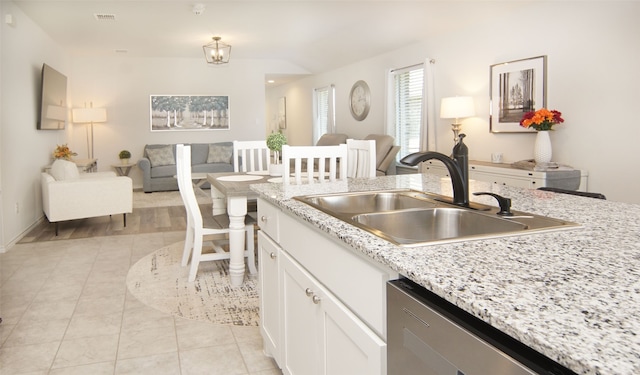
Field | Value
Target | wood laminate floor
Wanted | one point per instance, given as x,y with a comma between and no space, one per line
141,220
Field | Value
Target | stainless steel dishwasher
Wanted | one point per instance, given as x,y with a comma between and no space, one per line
427,335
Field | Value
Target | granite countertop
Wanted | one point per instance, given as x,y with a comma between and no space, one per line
573,295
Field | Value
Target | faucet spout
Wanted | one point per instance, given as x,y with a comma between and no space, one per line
457,167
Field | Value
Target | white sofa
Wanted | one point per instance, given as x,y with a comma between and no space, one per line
69,195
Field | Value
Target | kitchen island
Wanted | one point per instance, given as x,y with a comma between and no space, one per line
573,295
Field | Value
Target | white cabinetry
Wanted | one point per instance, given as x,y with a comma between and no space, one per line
505,174
323,304
268,256
321,335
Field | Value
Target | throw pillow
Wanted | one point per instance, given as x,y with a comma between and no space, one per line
220,154
161,156
64,170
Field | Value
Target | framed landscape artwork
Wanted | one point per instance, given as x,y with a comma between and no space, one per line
517,87
189,112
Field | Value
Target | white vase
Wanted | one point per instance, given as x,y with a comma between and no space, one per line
275,169
542,149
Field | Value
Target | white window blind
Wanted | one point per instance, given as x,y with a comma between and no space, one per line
408,99
324,117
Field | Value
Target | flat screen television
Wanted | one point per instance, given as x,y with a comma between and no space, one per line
53,104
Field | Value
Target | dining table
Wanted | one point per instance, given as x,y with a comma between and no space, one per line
230,192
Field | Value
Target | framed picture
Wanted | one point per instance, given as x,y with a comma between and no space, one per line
517,87
282,113
189,112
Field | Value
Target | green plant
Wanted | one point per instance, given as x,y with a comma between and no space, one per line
124,154
275,141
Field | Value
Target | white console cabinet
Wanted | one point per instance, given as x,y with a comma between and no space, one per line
505,174
323,306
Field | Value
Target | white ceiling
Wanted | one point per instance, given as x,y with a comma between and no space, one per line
315,35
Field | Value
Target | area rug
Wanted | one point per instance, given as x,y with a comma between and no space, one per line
159,281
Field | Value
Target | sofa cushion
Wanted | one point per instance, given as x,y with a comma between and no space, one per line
64,170
199,153
220,154
160,156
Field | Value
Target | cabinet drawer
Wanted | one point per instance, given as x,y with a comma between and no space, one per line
269,219
502,179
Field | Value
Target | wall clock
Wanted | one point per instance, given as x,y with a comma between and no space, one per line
360,100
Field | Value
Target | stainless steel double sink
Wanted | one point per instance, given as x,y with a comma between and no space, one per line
412,218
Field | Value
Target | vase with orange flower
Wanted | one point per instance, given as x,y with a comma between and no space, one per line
542,120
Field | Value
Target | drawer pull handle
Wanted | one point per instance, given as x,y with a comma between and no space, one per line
308,292
272,255
316,299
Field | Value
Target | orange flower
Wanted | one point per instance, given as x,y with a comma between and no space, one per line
63,152
542,119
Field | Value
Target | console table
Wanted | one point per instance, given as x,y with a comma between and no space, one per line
84,165
506,174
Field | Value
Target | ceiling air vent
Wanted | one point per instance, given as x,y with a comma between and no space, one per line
104,17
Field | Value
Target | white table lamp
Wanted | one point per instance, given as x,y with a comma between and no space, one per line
457,107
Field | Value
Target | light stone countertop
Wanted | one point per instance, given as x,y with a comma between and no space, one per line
573,295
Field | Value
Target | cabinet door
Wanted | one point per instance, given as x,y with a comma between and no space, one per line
268,254
301,321
321,335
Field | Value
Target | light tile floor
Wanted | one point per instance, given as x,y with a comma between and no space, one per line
66,310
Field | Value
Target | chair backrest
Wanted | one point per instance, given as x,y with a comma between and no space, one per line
332,139
361,158
336,156
251,156
185,185
385,151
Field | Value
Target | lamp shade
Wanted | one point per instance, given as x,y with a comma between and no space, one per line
457,107
81,115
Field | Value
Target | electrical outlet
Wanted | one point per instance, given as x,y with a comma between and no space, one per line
17,208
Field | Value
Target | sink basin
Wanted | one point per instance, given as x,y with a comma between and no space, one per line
435,224
408,217
356,203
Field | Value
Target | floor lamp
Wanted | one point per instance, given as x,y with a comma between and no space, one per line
89,116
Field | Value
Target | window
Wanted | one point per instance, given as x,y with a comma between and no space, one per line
324,118
406,116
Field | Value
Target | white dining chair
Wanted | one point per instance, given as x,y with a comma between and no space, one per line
306,158
361,158
199,226
251,156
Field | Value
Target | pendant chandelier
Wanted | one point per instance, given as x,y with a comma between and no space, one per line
217,52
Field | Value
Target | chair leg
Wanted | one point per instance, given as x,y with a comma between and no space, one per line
124,218
55,226
195,256
188,245
250,253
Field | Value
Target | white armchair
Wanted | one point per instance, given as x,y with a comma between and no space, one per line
71,196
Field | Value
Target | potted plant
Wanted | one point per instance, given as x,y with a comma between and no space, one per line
124,156
275,141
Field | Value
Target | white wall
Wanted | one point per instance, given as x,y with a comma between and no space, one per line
25,150
593,58
123,86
